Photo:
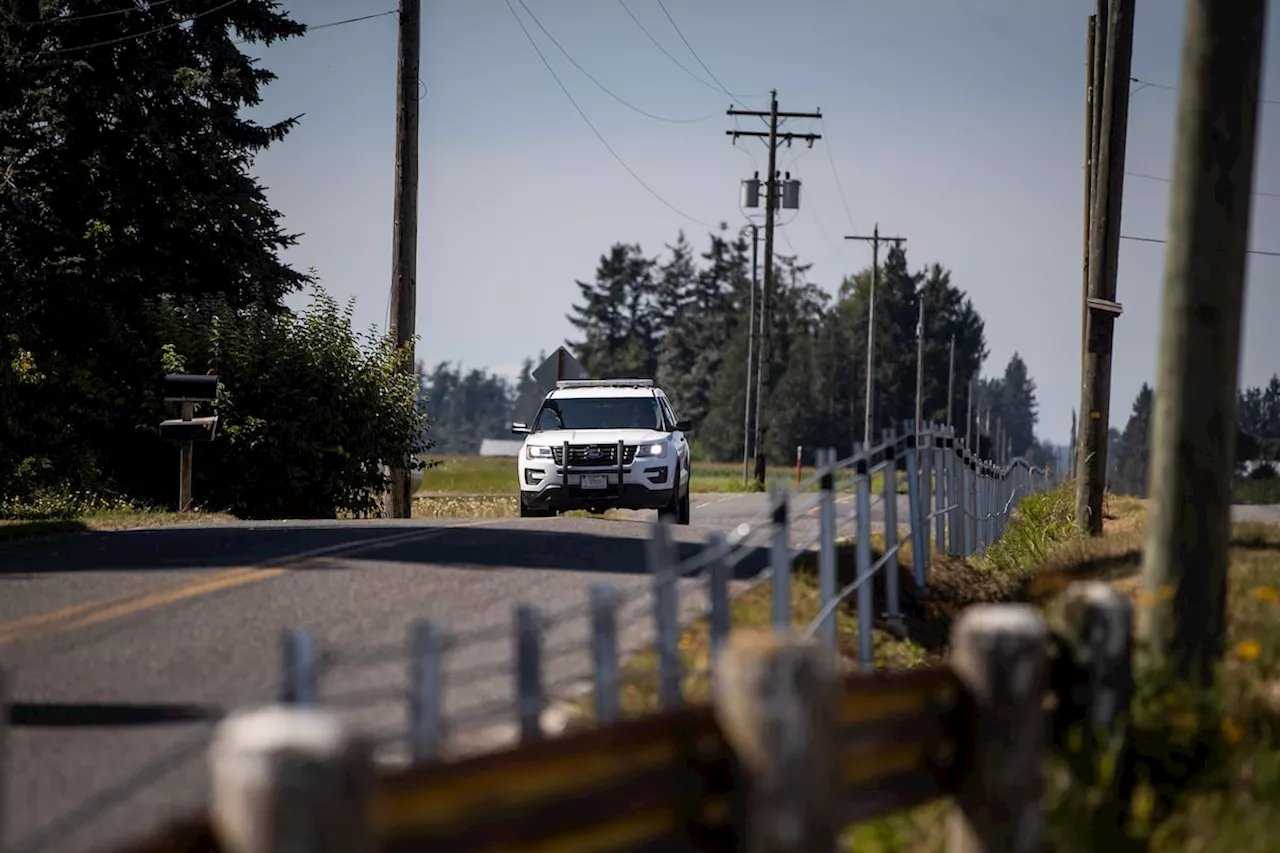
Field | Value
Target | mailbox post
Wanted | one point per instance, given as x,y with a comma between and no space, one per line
188,390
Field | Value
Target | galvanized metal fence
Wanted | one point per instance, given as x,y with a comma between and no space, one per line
443,694
956,503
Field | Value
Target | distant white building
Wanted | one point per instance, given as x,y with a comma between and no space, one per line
500,447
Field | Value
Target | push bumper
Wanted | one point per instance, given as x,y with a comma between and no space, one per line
631,496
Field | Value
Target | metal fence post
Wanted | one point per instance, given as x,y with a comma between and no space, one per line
924,451
970,502
662,563
780,561
604,652
530,698
866,613
827,549
939,492
300,676
426,648
718,577
914,501
893,605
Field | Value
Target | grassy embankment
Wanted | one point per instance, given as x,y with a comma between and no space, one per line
1206,768
75,513
480,486
1264,491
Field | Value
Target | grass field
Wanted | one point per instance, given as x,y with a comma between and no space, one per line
493,475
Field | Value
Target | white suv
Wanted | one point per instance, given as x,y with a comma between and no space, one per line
604,444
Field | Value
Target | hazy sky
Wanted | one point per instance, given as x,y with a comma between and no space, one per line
957,125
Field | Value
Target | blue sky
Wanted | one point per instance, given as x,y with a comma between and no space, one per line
959,126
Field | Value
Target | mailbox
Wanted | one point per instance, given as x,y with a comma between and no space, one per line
196,429
190,388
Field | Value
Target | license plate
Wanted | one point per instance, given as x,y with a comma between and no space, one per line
595,481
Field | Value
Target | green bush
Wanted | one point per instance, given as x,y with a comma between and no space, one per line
310,413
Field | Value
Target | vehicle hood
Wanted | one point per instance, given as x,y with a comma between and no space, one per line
596,436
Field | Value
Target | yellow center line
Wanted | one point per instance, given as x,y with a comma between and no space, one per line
119,606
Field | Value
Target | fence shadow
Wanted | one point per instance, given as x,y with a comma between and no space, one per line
67,715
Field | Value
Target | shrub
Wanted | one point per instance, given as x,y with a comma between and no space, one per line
309,411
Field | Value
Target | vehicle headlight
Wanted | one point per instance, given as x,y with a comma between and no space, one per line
657,450
534,451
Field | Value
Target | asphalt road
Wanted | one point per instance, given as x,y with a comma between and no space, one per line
121,649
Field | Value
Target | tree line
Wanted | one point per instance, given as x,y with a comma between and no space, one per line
136,242
1257,439
682,317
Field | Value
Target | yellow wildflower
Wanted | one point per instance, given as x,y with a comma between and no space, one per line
1231,731
1266,594
1248,650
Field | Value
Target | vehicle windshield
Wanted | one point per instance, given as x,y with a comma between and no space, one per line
599,413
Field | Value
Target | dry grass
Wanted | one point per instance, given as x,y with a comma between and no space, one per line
11,529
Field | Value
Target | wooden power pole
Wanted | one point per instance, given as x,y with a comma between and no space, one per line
772,197
404,241
1090,59
1193,427
1104,252
875,240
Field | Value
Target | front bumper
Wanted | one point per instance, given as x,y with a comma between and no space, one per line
644,484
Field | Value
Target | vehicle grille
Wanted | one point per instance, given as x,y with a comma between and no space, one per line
580,455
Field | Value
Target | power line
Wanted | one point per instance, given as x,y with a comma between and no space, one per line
694,53
666,52
67,19
589,124
835,173
133,36
601,86
1167,88
311,27
1168,180
1157,240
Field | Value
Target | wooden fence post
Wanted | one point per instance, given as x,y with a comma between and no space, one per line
1098,622
290,780
1000,653
775,700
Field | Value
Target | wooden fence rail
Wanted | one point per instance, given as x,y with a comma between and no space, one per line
785,756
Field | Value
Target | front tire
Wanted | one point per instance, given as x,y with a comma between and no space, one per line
528,512
683,511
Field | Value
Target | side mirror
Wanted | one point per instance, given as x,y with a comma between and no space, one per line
518,428
684,425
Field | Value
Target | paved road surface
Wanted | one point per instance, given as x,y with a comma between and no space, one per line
1268,513
120,646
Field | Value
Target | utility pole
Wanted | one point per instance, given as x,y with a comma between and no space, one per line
404,241
875,240
1193,425
1090,58
951,377
1104,253
773,137
751,325
920,367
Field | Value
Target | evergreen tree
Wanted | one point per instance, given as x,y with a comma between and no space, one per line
1132,448
126,193
615,316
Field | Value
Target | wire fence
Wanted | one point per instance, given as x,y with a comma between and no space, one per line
443,694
